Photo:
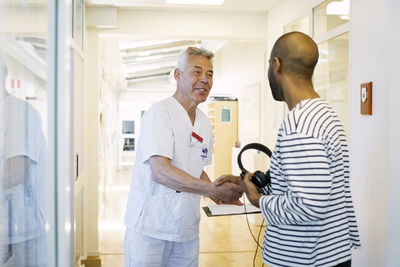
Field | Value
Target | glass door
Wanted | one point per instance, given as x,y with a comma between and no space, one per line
26,188
36,134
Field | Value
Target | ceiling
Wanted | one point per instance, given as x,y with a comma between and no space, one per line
156,59
151,59
147,60
258,6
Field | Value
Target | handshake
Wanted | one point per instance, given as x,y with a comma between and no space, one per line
230,188
254,184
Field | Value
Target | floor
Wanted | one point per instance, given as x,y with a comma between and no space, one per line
224,240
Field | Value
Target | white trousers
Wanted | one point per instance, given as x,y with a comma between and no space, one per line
30,253
144,251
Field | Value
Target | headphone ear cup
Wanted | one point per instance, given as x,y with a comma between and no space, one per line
268,177
259,179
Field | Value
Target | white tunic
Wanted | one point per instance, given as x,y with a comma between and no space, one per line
24,204
154,209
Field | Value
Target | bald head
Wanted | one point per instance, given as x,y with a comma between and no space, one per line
298,54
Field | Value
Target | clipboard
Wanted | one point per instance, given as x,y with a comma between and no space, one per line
231,210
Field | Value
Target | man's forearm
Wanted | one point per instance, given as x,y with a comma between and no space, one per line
165,173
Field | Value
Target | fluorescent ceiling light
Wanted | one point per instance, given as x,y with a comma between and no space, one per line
195,2
125,45
148,58
134,69
144,54
338,8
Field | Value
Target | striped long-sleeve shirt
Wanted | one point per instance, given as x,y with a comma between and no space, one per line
310,215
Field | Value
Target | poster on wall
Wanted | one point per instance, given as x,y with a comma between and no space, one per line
226,115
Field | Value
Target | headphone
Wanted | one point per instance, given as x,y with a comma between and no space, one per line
261,180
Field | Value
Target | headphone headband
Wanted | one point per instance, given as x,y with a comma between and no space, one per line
256,146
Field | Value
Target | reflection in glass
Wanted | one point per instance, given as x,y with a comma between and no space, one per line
331,74
330,14
23,131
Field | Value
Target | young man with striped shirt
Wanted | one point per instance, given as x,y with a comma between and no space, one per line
309,214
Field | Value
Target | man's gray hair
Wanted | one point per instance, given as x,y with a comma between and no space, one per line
195,52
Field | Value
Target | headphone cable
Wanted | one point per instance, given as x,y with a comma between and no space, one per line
248,225
259,232
258,239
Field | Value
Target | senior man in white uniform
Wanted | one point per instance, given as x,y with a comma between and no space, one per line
163,211
22,178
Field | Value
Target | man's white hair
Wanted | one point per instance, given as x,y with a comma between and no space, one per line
193,51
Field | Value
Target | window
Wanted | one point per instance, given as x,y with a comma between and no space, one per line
329,15
128,127
331,33
331,73
129,144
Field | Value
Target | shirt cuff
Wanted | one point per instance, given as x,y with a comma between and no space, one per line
262,203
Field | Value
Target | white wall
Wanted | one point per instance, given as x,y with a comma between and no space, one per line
393,247
374,139
193,25
283,13
91,138
239,73
112,82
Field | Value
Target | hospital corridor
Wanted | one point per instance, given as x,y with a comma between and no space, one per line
117,117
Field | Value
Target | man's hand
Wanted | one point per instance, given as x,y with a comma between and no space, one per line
226,193
250,189
227,178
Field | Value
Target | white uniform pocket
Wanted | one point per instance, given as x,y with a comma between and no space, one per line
172,217
190,158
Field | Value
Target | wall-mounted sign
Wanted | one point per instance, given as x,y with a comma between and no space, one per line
226,115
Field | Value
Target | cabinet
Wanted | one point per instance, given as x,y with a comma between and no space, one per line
223,115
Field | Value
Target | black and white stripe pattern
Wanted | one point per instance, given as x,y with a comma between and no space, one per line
310,215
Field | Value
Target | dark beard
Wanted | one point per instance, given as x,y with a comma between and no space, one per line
276,89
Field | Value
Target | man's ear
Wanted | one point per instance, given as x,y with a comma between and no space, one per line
177,74
277,65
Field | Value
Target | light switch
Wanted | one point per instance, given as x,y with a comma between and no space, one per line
366,98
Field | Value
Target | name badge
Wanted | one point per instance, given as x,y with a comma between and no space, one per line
198,137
